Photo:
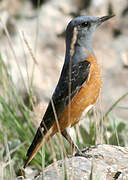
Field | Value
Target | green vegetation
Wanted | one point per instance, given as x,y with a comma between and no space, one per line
17,130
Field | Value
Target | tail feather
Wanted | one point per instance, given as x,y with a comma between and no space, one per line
35,146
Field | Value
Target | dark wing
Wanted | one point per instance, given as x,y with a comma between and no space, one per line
60,99
79,75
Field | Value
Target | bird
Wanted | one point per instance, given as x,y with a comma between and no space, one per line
78,87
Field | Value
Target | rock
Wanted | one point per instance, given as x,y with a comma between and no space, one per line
125,59
111,163
12,10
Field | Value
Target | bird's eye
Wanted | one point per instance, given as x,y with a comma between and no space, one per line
85,24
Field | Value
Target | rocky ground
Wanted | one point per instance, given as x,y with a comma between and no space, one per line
108,162
41,33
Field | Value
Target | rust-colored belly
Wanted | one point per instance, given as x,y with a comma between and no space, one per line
87,96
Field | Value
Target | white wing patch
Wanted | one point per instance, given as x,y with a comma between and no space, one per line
87,109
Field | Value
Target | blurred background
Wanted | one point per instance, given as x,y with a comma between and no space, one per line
42,24
32,47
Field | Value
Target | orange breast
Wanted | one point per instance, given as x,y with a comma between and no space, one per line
87,95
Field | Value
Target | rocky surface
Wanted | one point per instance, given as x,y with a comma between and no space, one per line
108,162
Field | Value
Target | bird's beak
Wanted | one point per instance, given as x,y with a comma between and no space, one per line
104,18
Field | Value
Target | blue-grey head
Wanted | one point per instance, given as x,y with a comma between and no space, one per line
79,35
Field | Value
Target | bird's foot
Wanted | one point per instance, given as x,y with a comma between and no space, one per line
80,153
84,153
87,149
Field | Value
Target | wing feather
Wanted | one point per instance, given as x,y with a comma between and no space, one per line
61,98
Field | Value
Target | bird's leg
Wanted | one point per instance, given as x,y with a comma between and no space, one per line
73,145
69,139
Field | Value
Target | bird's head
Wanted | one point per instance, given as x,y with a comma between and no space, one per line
79,32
